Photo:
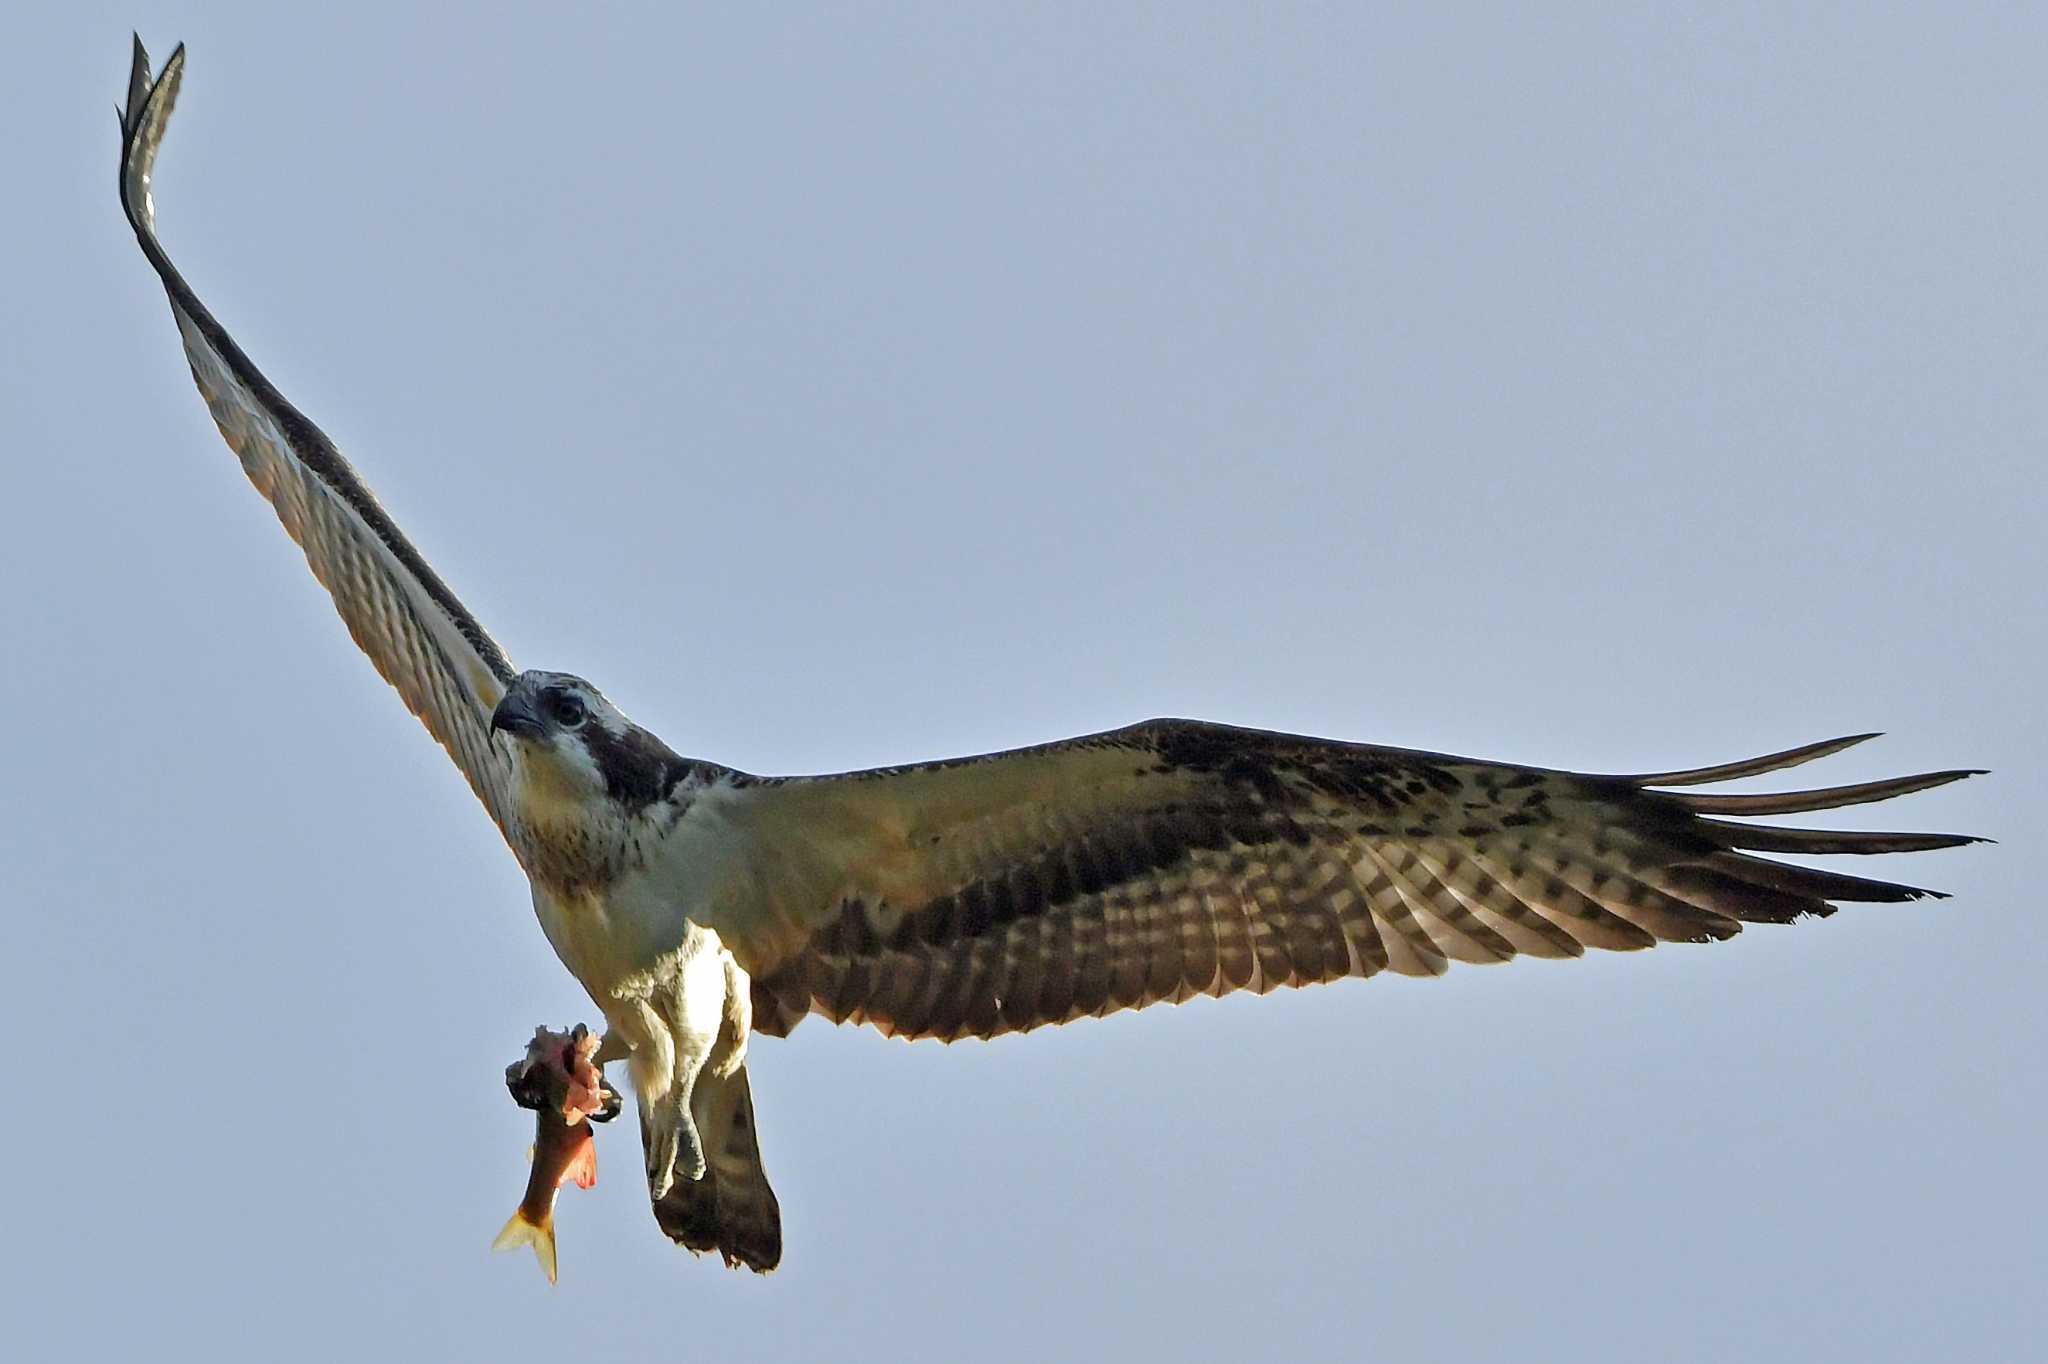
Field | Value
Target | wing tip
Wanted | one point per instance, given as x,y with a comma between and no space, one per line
1754,767
1824,798
143,119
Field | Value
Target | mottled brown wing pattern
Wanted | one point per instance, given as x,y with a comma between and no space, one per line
446,668
1217,859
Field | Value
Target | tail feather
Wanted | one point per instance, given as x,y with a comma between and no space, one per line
520,1231
731,1210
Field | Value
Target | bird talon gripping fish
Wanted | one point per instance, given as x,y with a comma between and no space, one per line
558,1080
701,906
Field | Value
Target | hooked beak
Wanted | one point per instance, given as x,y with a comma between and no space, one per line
516,715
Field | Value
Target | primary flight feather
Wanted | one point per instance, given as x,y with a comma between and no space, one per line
699,905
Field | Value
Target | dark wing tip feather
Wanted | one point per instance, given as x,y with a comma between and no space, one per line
143,120
1753,767
1759,888
1779,839
138,80
1817,882
1823,798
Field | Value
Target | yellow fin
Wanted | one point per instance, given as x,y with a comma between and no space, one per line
540,1235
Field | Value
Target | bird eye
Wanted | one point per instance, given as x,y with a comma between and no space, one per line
568,711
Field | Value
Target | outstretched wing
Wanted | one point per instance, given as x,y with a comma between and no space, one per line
403,616
1174,859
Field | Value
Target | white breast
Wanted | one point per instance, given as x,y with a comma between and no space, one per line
615,937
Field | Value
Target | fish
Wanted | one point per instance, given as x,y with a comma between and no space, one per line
563,1086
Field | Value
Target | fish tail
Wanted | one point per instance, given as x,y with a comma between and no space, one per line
521,1230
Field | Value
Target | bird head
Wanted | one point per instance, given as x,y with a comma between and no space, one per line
575,743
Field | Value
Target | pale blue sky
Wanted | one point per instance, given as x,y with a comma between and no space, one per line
1595,389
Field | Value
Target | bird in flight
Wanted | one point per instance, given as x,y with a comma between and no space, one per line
702,906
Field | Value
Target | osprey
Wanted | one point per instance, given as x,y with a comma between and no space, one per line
701,906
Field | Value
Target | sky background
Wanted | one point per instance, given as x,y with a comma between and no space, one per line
834,387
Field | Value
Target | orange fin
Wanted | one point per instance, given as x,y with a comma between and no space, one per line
540,1235
582,1166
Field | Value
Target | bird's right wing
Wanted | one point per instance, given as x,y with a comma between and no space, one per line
401,614
1171,859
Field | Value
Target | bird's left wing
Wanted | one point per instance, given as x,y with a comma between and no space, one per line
1176,858
449,671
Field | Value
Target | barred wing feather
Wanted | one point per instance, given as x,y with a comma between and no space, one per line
448,670
1176,858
